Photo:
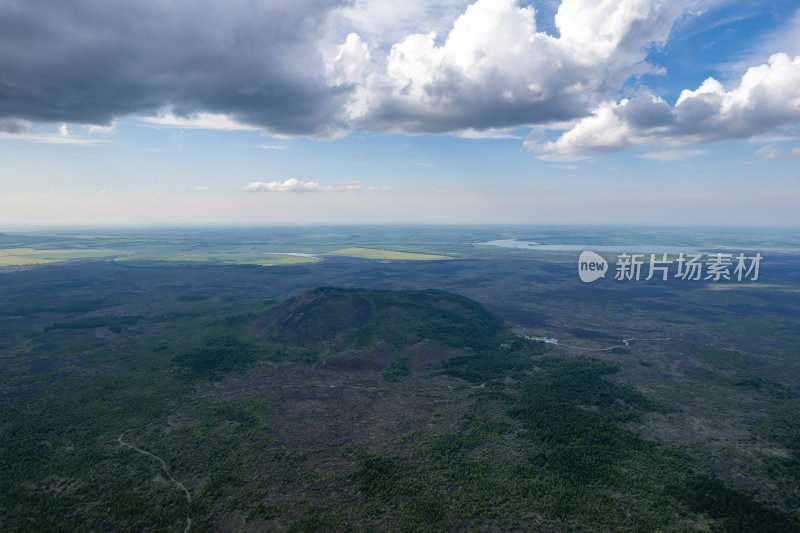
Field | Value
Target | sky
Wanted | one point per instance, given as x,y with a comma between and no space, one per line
641,112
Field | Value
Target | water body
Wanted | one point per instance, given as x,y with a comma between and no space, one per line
645,249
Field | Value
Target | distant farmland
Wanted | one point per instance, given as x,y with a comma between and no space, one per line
31,256
374,253
220,258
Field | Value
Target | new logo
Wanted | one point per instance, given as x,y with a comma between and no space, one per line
591,266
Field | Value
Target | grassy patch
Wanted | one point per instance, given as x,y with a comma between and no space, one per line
755,326
221,257
374,253
32,256
723,359
397,371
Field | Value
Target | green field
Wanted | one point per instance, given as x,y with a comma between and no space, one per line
374,253
32,256
219,258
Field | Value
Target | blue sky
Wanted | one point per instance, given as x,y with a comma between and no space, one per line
360,113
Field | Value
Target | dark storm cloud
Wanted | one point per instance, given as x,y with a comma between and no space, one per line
647,112
459,112
89,61
12,126
454,102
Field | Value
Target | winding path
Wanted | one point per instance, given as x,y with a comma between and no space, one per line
164,466
627,342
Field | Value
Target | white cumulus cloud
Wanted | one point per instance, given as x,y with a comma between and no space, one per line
295,185
200,121
495,69
98,128
290,185
766,99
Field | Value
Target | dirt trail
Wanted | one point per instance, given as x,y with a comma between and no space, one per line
164,466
